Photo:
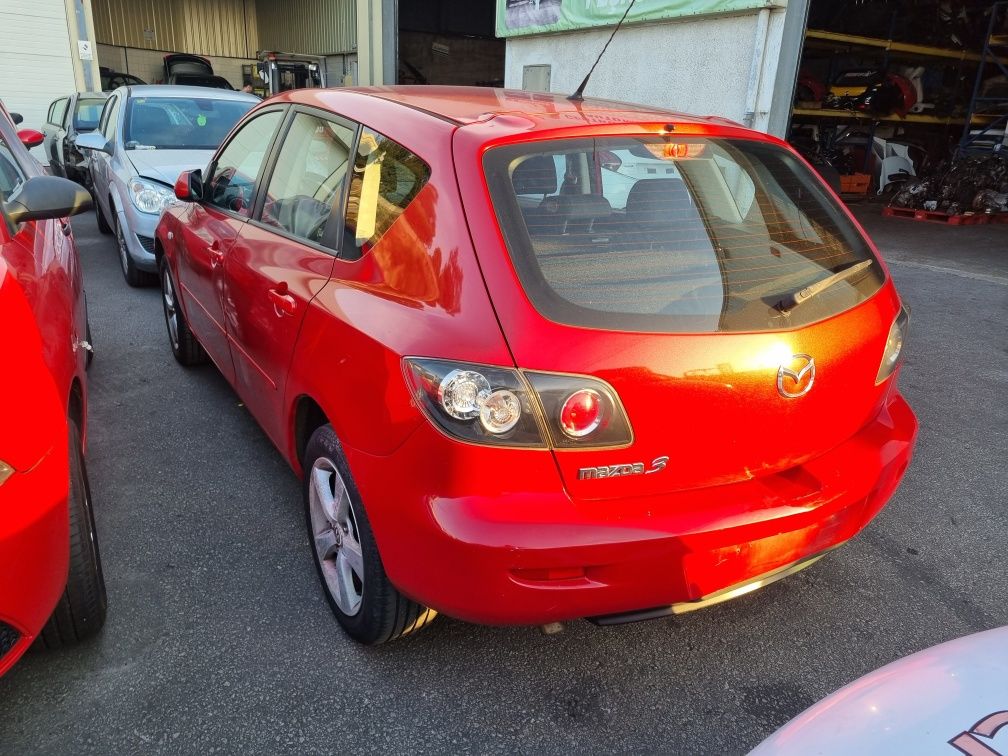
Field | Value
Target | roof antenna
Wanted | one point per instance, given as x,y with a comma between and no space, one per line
579,95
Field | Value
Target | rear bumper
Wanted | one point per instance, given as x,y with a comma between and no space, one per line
522,552
34,550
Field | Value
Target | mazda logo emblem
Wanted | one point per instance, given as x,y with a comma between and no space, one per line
793,383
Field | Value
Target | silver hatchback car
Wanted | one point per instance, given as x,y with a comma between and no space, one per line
146,137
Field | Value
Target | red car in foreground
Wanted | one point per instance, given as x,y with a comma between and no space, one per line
536,359
51,583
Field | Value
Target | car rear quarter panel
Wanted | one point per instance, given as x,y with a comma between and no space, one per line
418,291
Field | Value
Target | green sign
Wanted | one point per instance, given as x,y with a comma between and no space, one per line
518,17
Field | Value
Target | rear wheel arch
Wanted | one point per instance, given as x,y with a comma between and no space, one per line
307,417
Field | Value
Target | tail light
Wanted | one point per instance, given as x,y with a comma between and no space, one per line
894,346
505,407
580,412
478,403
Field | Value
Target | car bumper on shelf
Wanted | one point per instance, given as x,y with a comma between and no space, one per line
34,551
524,552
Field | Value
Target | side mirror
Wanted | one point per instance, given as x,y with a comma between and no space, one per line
16,118
31,138
94,140
189,186
43,197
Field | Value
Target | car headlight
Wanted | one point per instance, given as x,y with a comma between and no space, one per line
5,472
894,346
149,197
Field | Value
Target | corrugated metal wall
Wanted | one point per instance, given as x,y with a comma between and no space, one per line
205,27
311,27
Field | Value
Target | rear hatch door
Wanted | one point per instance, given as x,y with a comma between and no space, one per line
670,270
181,63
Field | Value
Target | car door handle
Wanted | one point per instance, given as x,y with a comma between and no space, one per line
283,303
215,254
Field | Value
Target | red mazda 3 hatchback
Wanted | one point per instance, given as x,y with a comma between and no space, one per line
538,360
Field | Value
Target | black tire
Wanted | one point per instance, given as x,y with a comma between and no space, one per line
103,225
185,348
81,610
384,613
133,275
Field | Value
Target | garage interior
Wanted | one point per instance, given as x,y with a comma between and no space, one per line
449,42
906,103
437,41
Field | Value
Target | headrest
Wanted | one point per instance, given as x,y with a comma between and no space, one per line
657,201
535,175
148,120
583,207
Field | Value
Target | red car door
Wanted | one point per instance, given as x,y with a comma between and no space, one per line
284,256
211,226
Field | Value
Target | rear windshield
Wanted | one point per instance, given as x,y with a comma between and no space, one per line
180,123
87,114
693,235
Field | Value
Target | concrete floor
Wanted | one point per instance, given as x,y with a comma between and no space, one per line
219,639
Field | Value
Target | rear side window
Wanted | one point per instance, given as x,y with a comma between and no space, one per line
693,235
307,183
386,178
58,111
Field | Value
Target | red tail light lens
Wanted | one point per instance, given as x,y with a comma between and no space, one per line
581,413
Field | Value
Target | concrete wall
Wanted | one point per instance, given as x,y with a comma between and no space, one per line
702,65
38,39
149,64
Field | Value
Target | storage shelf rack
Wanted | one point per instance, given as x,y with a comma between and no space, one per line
986,122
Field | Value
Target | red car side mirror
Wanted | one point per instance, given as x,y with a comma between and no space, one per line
182,187
189,186
31,138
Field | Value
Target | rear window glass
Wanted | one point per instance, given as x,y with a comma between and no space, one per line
180,123
687,235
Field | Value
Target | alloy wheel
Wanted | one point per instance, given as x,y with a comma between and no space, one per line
335,536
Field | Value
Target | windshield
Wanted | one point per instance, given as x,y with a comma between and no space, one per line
180,123
87,114
692,235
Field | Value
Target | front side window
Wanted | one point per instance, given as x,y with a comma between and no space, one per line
87,114
11,175
307,182
180,123
110,117
688,235
236,170
386,178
